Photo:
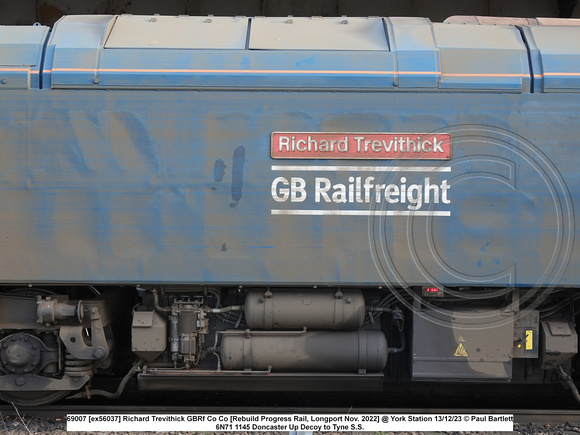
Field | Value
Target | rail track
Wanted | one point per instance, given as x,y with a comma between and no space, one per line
548,408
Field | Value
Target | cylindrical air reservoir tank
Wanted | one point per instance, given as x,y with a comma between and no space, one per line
299,308
326,351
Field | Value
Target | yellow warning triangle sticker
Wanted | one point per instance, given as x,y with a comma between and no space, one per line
460,351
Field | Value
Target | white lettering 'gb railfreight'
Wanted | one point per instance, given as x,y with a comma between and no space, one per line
282,189
362,190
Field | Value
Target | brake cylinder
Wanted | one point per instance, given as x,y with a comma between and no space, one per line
298,308
319,351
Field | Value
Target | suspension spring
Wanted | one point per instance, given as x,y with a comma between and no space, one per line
77,367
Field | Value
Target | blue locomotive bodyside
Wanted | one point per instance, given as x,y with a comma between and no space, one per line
195,159
141,183
179,187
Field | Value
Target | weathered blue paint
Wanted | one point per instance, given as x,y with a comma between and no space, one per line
163,186
238,174
120,187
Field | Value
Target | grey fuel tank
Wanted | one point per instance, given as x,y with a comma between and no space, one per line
326,351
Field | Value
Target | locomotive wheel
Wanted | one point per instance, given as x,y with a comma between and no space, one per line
32,398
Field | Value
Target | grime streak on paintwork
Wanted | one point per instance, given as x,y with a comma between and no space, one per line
239,159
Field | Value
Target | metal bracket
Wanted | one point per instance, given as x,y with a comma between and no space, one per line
514,307
72,337
268,312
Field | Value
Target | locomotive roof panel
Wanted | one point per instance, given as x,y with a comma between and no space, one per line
200,67
379,54
23,46
317,33
181,32
482,57
20,55
559,55
416,52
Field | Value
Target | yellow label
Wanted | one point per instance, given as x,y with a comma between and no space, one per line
461,351
529,339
